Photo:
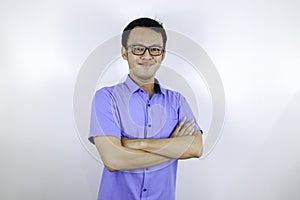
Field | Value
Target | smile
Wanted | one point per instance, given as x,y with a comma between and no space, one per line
146,64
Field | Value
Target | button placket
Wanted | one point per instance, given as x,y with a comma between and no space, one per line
146,184
148,115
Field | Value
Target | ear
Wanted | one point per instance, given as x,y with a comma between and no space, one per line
124,53
163,55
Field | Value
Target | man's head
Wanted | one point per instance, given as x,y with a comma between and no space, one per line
143,46
146,23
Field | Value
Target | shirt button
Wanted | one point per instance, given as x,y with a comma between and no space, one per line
147,169
149,105
149,125
145,190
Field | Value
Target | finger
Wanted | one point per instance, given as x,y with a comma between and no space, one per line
183,129
190,130
175,132
182,121
179,126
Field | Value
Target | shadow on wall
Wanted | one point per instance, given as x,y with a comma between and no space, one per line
275,171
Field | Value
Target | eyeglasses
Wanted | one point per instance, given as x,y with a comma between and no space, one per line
139,50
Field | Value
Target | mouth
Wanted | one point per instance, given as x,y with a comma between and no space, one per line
146,64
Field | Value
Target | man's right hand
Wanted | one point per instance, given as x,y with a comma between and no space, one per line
183,130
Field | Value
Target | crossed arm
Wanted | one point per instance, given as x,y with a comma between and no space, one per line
183,143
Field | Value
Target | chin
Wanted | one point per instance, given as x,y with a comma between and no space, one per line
145,76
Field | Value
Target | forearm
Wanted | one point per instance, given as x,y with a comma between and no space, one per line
118,157
170,147
179,147
127,159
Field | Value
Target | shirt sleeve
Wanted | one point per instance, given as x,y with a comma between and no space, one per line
186,111
103,121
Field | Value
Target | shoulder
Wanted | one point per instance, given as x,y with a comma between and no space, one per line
175,95
104,92
109,91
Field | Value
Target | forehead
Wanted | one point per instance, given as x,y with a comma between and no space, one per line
145,36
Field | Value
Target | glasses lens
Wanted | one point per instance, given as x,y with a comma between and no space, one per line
155,51
138,50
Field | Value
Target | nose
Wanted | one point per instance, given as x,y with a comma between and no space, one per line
146,55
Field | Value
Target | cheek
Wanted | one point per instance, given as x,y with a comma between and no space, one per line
131,59
132,62
158,60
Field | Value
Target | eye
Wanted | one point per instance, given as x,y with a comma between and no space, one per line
155,49
139,48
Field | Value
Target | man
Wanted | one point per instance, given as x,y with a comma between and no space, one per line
139,127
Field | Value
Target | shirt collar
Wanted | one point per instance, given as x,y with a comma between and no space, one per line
133,87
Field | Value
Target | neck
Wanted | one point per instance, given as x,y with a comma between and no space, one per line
146,85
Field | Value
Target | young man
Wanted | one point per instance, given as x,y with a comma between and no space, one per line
140,128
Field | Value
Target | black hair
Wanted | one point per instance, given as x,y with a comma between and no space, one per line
144,22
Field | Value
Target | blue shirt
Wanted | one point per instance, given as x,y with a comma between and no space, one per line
126,110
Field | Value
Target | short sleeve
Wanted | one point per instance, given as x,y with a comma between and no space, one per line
103,121
186,111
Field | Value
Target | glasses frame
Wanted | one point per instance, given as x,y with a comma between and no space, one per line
146,48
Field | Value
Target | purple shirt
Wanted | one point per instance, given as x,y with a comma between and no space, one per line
126,110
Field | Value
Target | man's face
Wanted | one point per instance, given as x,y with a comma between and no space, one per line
143,67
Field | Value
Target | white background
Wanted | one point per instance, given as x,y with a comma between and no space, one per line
255,46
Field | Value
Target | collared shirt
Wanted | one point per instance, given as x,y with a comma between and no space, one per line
126,110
